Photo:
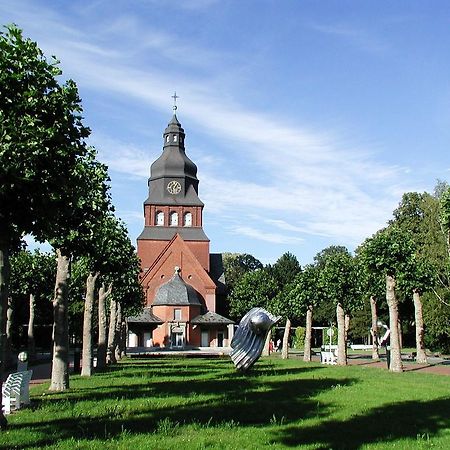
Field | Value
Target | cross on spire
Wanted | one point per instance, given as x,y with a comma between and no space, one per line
175,96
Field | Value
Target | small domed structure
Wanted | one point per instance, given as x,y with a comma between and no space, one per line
176,292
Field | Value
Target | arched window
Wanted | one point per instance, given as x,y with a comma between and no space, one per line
188,219
160,219
173,219
174,138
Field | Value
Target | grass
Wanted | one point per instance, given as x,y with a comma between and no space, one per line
185,403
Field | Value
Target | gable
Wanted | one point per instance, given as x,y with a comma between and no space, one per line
177,253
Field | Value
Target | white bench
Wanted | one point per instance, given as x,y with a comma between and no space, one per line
328,358
361,347
16,391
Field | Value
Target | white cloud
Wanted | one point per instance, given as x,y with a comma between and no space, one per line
274,238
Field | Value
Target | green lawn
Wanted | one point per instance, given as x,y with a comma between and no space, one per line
176,403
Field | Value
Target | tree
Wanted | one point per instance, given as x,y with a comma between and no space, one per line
112,257
339,282
236,265
304,296
285,269
388,254
254,289
41,143
418,215
31,277
373,287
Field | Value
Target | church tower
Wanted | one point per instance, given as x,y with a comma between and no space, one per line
179,276
173,205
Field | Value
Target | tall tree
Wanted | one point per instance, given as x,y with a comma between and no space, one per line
388,254
304,297
339,282
32,274
255,288
42,141
373,287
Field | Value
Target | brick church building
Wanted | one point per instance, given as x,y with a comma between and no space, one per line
182,281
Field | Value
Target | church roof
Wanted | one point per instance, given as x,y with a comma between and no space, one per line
211,318
176,292
146,316
173,162
167,233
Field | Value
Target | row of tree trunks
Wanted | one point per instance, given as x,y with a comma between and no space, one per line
374,328
285,348
86,368
31,340
342,347
118,333
4,277
111,354
308,333
60,369
102,325
396,364
421,356
8,358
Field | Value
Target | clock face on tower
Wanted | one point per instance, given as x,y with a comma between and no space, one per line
173,187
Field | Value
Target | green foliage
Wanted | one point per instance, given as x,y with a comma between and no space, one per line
31,273
339,280
285,269
304,291
436,317
236,265
388,252
41,136
299,337
254,289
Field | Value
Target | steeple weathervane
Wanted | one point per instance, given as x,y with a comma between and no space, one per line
175,96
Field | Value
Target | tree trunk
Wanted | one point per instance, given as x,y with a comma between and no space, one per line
110,354
102,326
395,352
400,334
421,356
308,331
4,282
123,338
285,349
342,347
266,348
86,368
346,327
31,340
8,341
118,330
374,329
60,363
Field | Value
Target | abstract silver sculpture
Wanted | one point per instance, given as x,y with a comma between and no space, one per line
250,336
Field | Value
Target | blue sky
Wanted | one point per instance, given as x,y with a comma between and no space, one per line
307,120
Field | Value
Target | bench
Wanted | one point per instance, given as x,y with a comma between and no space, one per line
16,391
328,358
361,347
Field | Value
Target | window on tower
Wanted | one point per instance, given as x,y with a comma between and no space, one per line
188,219
160,219
167,138
173,219
174,138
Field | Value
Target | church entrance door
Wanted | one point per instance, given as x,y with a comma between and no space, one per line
205,338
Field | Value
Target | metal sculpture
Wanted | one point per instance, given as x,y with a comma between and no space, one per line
250,336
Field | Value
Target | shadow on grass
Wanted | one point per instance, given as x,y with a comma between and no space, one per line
411,419
268,394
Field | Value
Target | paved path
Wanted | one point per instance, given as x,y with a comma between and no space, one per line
439,366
